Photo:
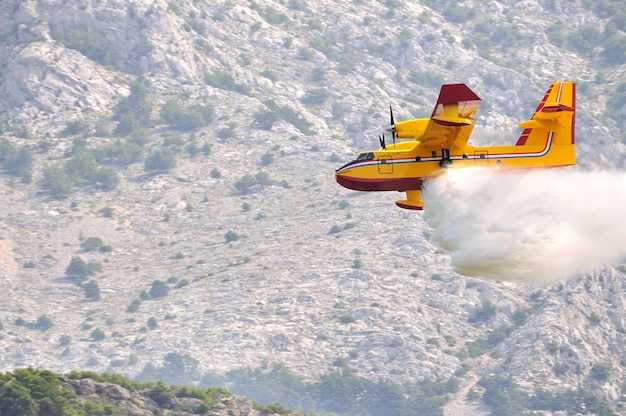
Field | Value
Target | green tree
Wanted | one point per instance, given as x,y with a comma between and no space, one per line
152,323
231,236
105,178
614,51
503,396
91,243
485,311
15,399
159,289
124,152
92,46
477,348
134,306
267,159
225,81
75,127
339,392
556,33
262,179
584,39
171,112
136,104
92,290
245,184
16,161
128,123
81,168
459,14
179,369
264,119
57,182
65,340
133,112
189,118
160,160
79,270
97,334
43,323
601,371
161,393
316,96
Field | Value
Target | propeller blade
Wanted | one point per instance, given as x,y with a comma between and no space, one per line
392,127
394,132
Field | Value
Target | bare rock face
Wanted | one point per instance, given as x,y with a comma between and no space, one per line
67,59
48,78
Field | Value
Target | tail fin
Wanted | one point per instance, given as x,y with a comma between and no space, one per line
456,100
554,117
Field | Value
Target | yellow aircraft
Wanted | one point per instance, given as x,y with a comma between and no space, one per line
441,141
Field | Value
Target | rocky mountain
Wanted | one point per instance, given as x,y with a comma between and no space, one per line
245,251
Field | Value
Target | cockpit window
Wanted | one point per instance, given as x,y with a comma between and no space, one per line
365,156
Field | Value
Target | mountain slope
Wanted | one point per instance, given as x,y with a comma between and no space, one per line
265,257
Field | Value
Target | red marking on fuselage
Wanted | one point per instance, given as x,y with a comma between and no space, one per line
380,184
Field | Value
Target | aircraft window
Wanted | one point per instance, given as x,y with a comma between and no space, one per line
464,155
361,156
370,156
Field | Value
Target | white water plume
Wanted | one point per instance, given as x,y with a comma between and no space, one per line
536,226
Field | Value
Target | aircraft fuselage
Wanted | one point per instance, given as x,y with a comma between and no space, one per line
406,167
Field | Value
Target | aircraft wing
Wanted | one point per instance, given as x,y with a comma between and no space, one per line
451,123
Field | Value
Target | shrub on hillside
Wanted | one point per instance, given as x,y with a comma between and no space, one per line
160,160
159,289
187,118
92,290
57,182
80,270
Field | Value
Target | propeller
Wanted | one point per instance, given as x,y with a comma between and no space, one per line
392,126
381,139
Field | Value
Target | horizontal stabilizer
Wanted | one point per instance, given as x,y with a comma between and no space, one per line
547,124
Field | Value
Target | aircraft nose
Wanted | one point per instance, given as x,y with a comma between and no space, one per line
353,183
341,179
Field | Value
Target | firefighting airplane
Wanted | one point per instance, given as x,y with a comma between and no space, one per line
440,141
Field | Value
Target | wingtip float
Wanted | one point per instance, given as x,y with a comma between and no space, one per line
429,145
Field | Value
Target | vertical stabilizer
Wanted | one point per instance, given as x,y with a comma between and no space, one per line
554,118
